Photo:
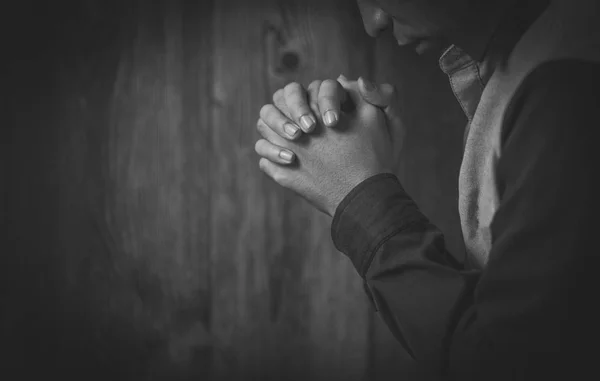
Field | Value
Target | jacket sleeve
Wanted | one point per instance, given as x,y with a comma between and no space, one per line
528,313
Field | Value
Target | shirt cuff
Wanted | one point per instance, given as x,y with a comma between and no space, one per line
369,215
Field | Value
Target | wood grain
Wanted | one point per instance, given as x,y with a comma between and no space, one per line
143,241
286,305
110,161
157,164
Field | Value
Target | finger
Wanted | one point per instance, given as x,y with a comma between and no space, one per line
278,122
279,102
272,170
274,153
384,96
267,133
348,105
331,96
352,93
343,80
313,97
377,95
297,104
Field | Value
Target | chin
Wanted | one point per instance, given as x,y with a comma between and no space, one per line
424,46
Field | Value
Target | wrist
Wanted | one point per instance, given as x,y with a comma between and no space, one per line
348,186
368,214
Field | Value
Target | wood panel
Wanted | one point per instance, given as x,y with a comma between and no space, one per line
157,213
428,166
108,271
286,305
143,241
42,330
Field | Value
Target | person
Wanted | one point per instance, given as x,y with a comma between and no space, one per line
527,74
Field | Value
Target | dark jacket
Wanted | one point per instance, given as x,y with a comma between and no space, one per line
523,306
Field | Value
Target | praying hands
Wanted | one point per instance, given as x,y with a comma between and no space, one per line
323,142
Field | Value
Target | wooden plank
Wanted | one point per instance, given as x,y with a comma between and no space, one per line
116,157
286,305
428,166
117,167
158,151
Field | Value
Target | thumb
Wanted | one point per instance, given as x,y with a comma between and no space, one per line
383,96
378,95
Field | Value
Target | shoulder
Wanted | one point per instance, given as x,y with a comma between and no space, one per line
562,74
549,150
559,96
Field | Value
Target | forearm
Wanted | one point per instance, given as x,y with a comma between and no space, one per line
530,313
417,287
496,324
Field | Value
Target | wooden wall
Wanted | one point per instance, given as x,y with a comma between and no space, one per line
141,240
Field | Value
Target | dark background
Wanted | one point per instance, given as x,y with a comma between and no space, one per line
140,239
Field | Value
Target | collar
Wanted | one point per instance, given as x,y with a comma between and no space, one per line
495,40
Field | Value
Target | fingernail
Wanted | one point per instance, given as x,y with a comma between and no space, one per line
286,155
290,129
369,86
330,117
307,121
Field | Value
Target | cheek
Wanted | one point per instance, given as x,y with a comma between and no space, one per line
421,27
420,16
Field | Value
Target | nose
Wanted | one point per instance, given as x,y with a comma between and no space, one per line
374,18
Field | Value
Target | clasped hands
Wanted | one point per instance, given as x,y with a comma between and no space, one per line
313,147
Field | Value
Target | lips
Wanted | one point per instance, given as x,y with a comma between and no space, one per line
404,38
403,41
423,46
420,45
407,37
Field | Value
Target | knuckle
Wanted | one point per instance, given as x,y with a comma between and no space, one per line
264,130
265,110
258,146
296,104
262,164
260,125
291,87
327,98
279,177
271,170
329,83
314,85
278,95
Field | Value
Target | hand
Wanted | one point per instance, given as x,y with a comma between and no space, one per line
329,163
295,109
326,99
